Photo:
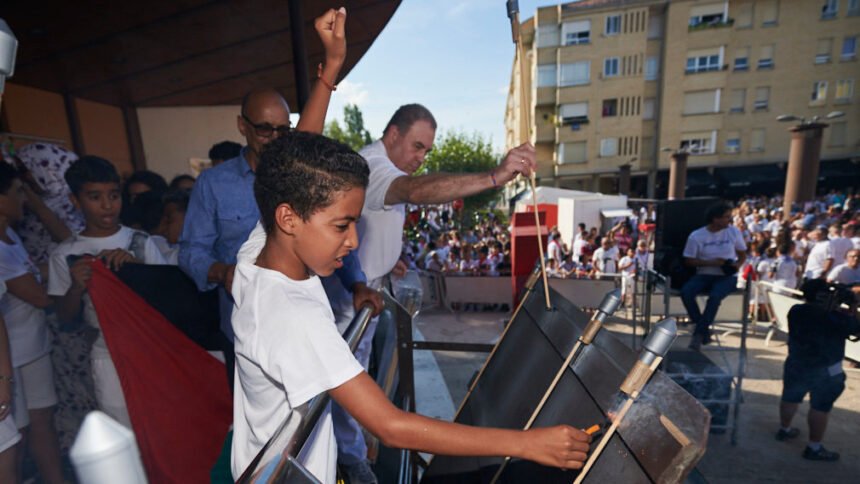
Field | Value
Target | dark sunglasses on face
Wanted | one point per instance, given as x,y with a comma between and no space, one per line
266,130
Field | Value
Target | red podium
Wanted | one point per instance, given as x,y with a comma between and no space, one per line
524,248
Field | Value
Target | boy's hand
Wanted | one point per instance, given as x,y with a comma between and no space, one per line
561,446
361,295
115,258
81,272
330,28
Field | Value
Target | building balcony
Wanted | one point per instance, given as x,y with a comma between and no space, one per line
718,24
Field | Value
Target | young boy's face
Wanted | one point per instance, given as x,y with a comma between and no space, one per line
12,202
171,224
100,203
330,234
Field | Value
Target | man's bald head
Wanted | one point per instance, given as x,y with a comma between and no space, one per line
265,116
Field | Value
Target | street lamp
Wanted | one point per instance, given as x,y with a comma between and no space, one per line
804,155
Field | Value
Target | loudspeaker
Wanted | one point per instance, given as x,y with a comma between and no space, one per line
676,219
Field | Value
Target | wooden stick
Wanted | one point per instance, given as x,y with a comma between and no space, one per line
540,243
542,402
615,423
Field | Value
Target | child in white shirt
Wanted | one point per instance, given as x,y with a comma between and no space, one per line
310,191
95,188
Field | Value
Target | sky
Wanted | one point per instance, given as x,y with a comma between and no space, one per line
454,57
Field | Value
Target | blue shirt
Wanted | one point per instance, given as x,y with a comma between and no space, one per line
221,214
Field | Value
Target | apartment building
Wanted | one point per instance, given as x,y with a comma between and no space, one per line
615,82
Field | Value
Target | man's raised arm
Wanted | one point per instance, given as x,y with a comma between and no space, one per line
444,187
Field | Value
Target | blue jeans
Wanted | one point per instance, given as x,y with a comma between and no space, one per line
717,287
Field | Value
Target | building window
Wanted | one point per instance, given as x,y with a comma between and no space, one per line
648,106
575,33
737,100
547,35
762,97
769,12
711,14
608,147
829,9
849,48
610,107
698,143
844,90
575,74
610,67
822,51
546,75
742,57
744,15
853,7
819,93
613,25
702,102
572,152
733,144
757,140
704,60
765,58
576,113
652,66
837,134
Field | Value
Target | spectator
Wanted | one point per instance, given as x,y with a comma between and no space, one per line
223,151
182,182
606,258
847,273
820,259
784,269
839,245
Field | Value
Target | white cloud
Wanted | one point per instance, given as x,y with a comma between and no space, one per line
352,93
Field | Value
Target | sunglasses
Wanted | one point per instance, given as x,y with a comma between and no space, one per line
266,130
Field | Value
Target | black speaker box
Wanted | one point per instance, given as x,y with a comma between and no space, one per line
676,219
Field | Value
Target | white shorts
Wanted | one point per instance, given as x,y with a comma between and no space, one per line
34,389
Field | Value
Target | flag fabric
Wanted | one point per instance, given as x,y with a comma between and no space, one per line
177,395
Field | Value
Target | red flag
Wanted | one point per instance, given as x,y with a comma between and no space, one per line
176,392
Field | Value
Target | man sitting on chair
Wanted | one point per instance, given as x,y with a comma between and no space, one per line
715,251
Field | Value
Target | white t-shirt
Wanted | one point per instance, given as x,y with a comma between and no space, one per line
855,241
288,350
839,246
60,279
819,254
25,323
785,272
606,261
624,262
844,274
706,245
577,248
554,251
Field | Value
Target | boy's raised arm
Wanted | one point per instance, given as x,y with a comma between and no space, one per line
330,27
560,446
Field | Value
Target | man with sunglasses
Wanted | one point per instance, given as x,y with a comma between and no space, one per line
222,210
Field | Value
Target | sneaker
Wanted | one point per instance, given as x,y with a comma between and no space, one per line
789,434
821,454
360,473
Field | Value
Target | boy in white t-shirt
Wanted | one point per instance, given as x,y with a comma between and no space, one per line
310,191
716,251
95,188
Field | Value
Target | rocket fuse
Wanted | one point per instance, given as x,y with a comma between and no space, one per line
607,308
656,346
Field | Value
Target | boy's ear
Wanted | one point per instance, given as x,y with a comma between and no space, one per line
286,219
74,200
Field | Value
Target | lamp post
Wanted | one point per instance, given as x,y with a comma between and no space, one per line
677,172
804,155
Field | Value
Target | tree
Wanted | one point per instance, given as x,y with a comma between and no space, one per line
353,133
461,153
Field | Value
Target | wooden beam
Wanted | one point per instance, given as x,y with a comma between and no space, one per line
74,124
135,140
300,53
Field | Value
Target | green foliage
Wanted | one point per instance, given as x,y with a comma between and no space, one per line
353,133
457,152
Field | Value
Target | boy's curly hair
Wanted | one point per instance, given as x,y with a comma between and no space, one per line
304,170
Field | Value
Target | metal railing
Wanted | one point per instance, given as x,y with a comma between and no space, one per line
275,463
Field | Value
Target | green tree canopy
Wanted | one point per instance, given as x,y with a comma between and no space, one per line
456,152
353,133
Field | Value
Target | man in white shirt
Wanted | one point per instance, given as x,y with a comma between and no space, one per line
849,272
553,248
715,251
606,257
839,245
820,259
392,160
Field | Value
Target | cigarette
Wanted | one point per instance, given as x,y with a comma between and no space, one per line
591,430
